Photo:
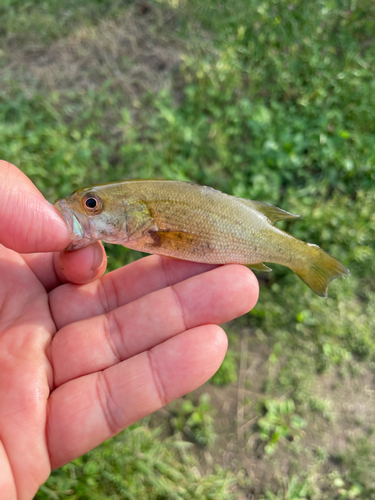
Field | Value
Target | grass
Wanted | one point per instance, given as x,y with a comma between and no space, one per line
267,100
137,464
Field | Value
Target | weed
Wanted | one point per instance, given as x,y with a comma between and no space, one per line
278,421
195,421
227,373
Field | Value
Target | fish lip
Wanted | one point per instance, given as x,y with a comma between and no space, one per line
78,225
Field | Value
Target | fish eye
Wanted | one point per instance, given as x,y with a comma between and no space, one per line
92,203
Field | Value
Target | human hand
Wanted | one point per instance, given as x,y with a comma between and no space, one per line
80,362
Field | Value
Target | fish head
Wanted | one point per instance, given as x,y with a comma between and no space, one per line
92,214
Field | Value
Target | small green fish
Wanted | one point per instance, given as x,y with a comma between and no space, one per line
196,223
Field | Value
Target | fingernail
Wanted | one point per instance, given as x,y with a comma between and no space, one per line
98,257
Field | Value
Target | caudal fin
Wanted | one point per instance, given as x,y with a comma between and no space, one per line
317,269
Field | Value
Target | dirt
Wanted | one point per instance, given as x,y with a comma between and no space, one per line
136,52
350,406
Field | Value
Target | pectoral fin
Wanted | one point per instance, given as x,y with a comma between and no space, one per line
260,267
173,240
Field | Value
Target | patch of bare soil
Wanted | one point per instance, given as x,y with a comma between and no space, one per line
136,52
236,416
353,404
350,404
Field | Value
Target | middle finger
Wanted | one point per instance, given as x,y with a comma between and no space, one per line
96,343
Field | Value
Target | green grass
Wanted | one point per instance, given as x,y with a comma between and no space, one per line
268,100
137,464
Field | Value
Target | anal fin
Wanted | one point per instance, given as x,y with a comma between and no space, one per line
260,267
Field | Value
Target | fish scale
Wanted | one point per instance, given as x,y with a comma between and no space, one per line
192,222
218,218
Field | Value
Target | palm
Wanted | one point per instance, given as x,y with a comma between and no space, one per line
81,362
26,329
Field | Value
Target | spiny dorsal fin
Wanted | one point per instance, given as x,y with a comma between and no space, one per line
260,267
272,213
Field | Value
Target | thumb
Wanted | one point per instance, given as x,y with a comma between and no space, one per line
28,223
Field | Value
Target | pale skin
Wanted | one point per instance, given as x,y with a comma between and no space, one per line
83,355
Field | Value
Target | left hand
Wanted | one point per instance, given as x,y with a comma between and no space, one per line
82,355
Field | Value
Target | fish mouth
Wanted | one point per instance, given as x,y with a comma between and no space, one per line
78,225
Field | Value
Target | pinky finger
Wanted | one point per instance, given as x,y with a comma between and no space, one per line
86,411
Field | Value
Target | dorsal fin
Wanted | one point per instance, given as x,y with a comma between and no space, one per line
272,213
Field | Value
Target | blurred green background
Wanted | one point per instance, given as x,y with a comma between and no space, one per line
271,100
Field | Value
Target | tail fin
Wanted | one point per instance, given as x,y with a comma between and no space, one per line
318,269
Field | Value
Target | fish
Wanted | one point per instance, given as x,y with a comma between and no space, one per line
195,223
